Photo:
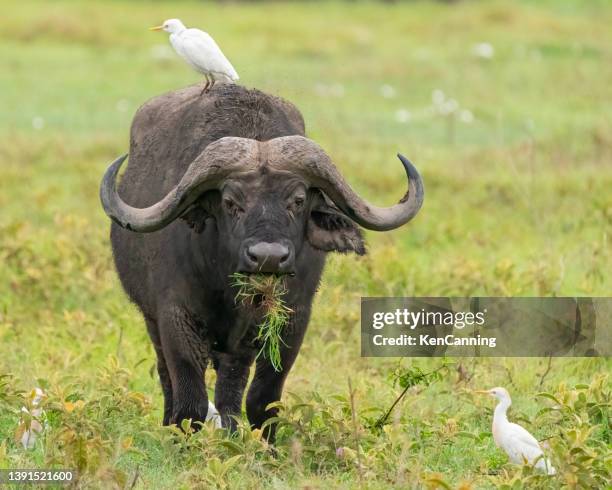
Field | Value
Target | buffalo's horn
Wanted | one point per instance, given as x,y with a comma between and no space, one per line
305,157
206,172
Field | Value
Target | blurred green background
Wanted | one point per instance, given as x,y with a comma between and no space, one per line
504,107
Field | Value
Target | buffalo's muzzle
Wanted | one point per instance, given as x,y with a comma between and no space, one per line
266,257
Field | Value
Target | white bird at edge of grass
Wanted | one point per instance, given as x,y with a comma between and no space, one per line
520,446
213,414
201,51
35,414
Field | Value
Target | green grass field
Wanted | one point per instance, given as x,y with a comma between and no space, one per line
518,176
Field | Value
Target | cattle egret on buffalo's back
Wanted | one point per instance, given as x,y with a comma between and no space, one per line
201,51
520,446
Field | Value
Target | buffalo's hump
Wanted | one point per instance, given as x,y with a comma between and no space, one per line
171,130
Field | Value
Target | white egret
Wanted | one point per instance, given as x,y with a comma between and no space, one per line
201,51
35,414
520,446
213,414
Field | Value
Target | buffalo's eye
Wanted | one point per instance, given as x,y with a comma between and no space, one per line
297,203
231,206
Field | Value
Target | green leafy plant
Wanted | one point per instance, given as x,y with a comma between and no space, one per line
406,378
580,445
265,292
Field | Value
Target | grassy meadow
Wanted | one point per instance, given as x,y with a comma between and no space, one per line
506,110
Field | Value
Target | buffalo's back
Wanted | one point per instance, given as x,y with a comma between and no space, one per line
171,130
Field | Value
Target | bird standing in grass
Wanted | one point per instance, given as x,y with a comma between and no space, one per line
201,51
520,446
213,414
30,425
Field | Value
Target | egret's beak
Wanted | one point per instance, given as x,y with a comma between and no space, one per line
156,28
482,392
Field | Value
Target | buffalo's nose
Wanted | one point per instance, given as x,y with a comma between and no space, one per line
268,257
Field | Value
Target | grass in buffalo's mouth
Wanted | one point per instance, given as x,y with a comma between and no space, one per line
265,292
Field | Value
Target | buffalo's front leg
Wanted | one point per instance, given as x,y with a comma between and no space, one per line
162,369
166,384
232,376
186,352
267,384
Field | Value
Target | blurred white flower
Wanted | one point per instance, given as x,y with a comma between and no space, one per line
422,54
450,106
337,90
466,116
438,97
483,50
520,50
387,91
38,122
320,89
161,52
403,116
122,105
536,55
334,90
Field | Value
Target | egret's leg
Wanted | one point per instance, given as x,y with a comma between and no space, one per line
212,84
207,85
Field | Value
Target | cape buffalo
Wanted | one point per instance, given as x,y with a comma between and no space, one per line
216,184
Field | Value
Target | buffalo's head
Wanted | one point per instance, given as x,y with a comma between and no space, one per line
266,198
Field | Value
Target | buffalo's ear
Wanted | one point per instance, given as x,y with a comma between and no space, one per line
199,212
330,230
